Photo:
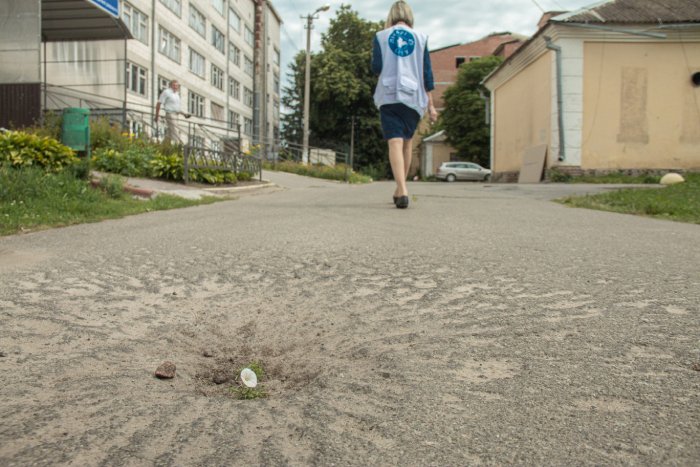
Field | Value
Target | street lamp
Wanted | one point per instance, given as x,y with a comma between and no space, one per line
307,80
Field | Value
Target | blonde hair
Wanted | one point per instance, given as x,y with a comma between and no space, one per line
399,12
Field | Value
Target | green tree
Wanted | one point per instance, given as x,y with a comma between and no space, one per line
464,115
293,101
342,87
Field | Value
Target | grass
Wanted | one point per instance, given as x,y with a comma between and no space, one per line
611,178
31,199
258,392
676,202
338,172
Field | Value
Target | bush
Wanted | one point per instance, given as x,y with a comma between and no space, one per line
244,176
20,149
103,134
168,167
133,161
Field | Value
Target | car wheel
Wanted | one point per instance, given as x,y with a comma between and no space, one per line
451,178
486,178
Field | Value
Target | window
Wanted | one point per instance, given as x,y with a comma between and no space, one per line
234,89
234,21
248,67
197,63
474,57
249,37
233,119
137,22
217,112
459,61
218,6
198,22
195,104
217,40
276,110
247,126
173,5
198,141
217,77
276,57
136,78
169,45
276,83
234,54
248,97
163,84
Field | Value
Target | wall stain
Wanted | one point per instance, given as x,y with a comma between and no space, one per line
634,122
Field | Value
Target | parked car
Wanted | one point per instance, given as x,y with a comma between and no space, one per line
451,171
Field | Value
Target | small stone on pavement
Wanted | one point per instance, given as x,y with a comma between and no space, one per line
207,353
166,370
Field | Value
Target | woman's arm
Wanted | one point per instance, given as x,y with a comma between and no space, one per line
429,83
377,63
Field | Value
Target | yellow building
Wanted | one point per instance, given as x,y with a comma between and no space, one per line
614,86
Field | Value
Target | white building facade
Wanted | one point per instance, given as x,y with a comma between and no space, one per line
208,46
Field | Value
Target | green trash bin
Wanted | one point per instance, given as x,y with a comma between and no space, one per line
75,131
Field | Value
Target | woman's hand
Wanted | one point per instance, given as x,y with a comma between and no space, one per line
433,113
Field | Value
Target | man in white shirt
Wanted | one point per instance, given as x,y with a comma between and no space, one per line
170,101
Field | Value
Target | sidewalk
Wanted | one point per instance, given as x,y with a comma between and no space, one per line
147,188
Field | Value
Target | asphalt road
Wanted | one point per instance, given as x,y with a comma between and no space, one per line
483,325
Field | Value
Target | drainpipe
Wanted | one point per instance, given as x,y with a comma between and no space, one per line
560,97
487,104
154,75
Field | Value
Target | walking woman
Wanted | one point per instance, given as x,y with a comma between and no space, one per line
400,57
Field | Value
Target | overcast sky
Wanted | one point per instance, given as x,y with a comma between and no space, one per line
447,22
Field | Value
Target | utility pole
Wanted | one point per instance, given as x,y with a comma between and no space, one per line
307,80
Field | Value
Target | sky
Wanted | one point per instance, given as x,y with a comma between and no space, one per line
446,22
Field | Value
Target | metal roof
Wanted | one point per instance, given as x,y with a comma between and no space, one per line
635,11
79,20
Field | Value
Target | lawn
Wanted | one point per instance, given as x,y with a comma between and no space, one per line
677,202
31,199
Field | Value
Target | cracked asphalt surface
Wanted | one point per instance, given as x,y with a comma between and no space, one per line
483,325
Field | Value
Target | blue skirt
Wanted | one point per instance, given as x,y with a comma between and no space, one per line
398,121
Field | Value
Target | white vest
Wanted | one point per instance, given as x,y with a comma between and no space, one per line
401,80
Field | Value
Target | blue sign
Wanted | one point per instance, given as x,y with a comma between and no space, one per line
402,42
110,6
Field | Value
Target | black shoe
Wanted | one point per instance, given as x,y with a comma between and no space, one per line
402,202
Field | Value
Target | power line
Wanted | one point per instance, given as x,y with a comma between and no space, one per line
538,6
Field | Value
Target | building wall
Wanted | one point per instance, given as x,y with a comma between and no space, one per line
522,114
444,61
640,107
20,42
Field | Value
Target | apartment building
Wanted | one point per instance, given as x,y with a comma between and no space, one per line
208,46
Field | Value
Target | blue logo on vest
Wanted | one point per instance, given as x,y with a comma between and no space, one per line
402,42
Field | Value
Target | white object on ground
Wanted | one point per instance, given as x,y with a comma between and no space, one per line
249,378
672,179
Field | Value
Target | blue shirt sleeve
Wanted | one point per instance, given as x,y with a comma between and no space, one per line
377,63
428,80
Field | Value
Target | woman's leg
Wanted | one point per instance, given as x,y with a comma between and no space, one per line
407,155
396,158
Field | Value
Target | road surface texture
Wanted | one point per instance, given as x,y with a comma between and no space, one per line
483,325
